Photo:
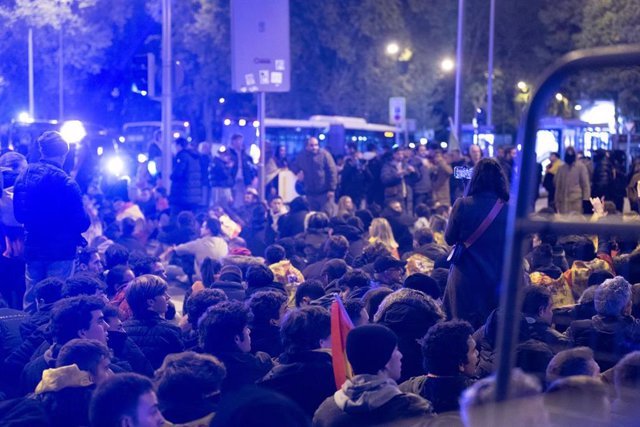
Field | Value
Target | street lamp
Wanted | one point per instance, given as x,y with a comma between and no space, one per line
447,65
392,48
559,97
522,86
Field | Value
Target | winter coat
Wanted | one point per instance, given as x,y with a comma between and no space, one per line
220,174
10,324
367,400
233,290
473,284
313,242
320,172
248,168
125,349
393,180
440,183
186,178
401,228
243,369
266,339
305,377
572,187
155,336
353,179
540,331
442,391
610,338
602,178
49,204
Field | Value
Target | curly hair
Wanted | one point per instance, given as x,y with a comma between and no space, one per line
446,346
221,324
266,305
303,328
199,302
70,315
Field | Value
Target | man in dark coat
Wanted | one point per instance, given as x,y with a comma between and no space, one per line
243,170
316,168
186,179
49,204
305,371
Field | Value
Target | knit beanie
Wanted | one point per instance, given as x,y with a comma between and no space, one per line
231,273
369,348
52,145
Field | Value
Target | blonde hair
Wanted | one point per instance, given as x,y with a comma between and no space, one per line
380,231
342,206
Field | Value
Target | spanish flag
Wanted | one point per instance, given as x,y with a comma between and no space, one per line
340,326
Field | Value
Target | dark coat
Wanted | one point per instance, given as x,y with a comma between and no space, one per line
473,286
186,179
353,180
610,338
243,369
248,169
125,349
320,173
10,324
220,174
266,339
292,223
400,223
54,236
155,336
306,378
233,290
443,392
313,242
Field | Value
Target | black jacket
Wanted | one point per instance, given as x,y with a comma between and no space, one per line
248,169
610,338
124,348
243,369
443,392
233,290
49,204
220,174
155,336
186,179
305,377
266,338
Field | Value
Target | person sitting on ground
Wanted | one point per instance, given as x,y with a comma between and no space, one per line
536,309
125,400
423,283
230,282
65,391
372,395
225,333
195,307
148,299
189,388
209,245
356,311
268,308
450,358
571,362
332,271
260,278
305,371
116,255
372,300
77,317
578,401
314,237
89,261
624,409
283,272
127,238
380,232
354,284
84,284
335,247
123,348
308,291
524,405
612,332
389,272
409,314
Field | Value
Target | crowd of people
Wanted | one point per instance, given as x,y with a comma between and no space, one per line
130,307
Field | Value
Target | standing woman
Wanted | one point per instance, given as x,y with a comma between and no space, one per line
473,285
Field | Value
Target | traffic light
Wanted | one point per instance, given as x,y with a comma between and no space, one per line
144,74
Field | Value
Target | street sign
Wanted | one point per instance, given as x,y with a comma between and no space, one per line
260,53
397,110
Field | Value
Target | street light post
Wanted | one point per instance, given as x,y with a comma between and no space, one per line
492,20
458,96
167,131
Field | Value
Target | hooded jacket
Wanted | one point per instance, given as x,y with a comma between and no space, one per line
186,187
366,400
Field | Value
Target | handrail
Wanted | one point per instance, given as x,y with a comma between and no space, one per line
523,190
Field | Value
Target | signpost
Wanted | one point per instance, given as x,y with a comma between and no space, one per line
260,56
398,115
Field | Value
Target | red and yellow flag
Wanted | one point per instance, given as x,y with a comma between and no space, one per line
340,326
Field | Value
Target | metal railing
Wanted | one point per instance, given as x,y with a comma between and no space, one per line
519,224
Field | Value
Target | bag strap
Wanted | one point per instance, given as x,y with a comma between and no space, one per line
485,224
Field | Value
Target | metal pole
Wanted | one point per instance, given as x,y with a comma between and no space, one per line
262,101
32,113
60,76
492,24
167,131
458,95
